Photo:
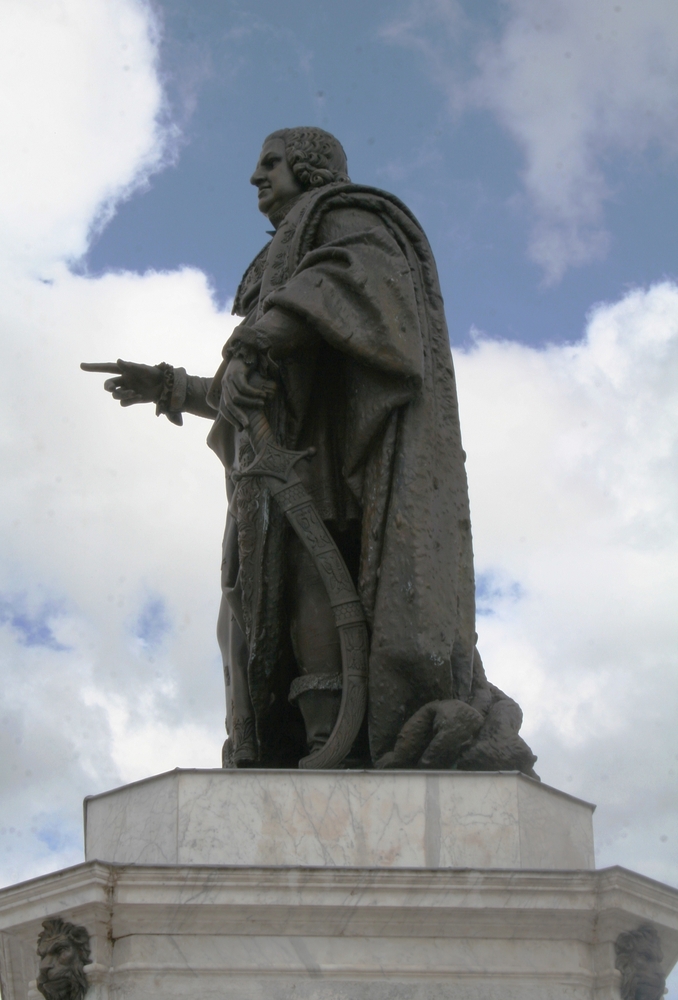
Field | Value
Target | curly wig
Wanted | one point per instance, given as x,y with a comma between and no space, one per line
315,157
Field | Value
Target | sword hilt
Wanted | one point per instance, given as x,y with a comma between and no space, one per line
259,430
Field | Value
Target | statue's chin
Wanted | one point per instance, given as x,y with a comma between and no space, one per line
58,988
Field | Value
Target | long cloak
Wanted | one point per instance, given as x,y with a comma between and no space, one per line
353,266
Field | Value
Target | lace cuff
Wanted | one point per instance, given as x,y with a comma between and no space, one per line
173,395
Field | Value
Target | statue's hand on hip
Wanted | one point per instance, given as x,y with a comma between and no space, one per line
133,383
243,389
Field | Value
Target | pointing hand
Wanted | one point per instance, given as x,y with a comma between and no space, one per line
134,383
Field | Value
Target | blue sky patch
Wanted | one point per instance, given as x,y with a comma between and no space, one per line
153,623
32,626
383,77
493,588
56,834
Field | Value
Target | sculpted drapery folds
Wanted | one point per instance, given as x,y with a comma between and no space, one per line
343,347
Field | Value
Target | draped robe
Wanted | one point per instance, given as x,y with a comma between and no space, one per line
372,388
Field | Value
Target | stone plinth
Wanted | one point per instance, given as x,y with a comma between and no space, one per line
329,886
228,933
366,819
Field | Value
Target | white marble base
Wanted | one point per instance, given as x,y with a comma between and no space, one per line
270,885
367,819
235,933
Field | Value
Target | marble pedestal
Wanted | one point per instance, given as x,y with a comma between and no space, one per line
318,886
341,819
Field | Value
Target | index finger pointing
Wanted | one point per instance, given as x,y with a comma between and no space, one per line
106,367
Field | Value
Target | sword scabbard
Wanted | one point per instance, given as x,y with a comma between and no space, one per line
276,467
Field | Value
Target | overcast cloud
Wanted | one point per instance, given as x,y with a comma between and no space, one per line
574,498
573,83
80,105
112,518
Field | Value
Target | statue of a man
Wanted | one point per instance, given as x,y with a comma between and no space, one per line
343,346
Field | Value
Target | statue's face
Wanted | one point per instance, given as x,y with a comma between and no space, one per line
58,962
274,178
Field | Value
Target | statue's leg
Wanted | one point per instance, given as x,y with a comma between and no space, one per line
240,748
315,640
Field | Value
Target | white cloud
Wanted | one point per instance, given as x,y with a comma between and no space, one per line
574,83
79,106
111,518
574,497
110,515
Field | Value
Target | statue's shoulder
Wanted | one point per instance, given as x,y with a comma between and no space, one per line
343,205
346,196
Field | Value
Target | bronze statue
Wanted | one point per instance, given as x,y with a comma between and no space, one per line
63,949
347,624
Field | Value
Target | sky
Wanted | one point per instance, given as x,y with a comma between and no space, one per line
537,142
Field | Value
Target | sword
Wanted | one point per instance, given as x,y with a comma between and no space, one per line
275,466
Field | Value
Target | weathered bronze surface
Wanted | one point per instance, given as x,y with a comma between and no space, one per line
347,625
63,949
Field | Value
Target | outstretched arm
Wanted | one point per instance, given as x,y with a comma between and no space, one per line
196,397
169,388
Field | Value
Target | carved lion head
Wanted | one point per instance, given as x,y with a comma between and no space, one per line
64,952
639,958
